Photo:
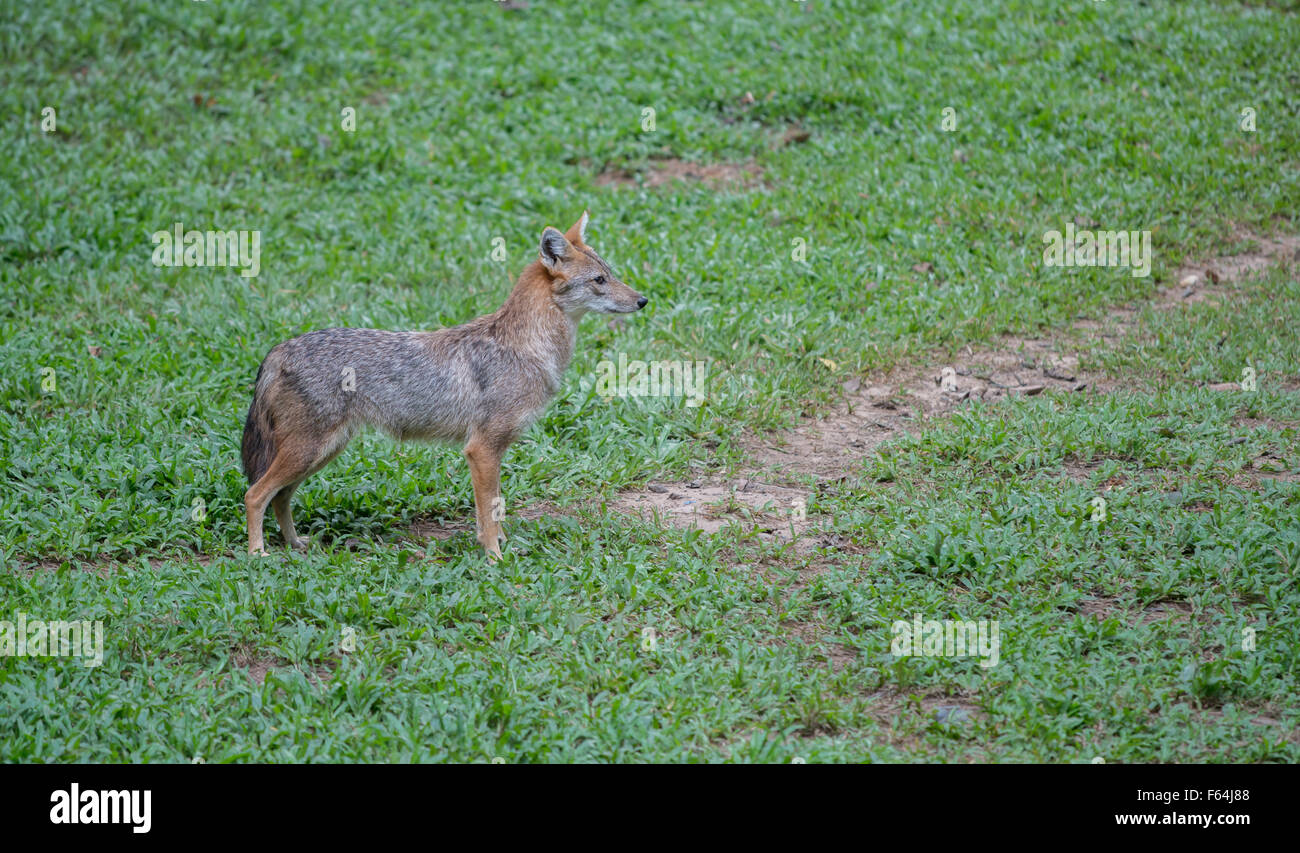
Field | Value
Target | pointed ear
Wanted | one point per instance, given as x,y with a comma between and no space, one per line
577,233
555,248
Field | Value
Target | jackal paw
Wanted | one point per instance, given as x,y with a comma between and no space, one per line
299,543
257,552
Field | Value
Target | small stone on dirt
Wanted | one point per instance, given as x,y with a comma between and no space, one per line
657,489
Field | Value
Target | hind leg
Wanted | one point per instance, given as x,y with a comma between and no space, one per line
284,517
285,473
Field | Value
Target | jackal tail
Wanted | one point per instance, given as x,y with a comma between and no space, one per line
259,439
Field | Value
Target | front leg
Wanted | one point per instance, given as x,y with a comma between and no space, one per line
489,508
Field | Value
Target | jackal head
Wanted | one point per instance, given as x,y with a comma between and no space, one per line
581,281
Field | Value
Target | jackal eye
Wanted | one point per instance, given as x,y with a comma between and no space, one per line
600,279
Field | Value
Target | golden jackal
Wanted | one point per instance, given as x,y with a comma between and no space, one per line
482,384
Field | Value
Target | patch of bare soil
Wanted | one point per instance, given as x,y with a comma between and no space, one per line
903,716
779,512
1081,472
1104,607
30,566
1166,611
931,706
105,566
744,175
1262,719
426,528
835,655
1257,423
259,666
1211,281
1100,607
1268,466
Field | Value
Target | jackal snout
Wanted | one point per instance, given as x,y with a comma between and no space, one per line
581,281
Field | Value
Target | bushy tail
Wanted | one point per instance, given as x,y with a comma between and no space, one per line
259,439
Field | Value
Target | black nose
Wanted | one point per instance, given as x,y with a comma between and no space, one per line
640,303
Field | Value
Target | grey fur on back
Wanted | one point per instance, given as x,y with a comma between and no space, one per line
438,385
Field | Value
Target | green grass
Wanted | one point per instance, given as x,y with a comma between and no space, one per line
476,122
